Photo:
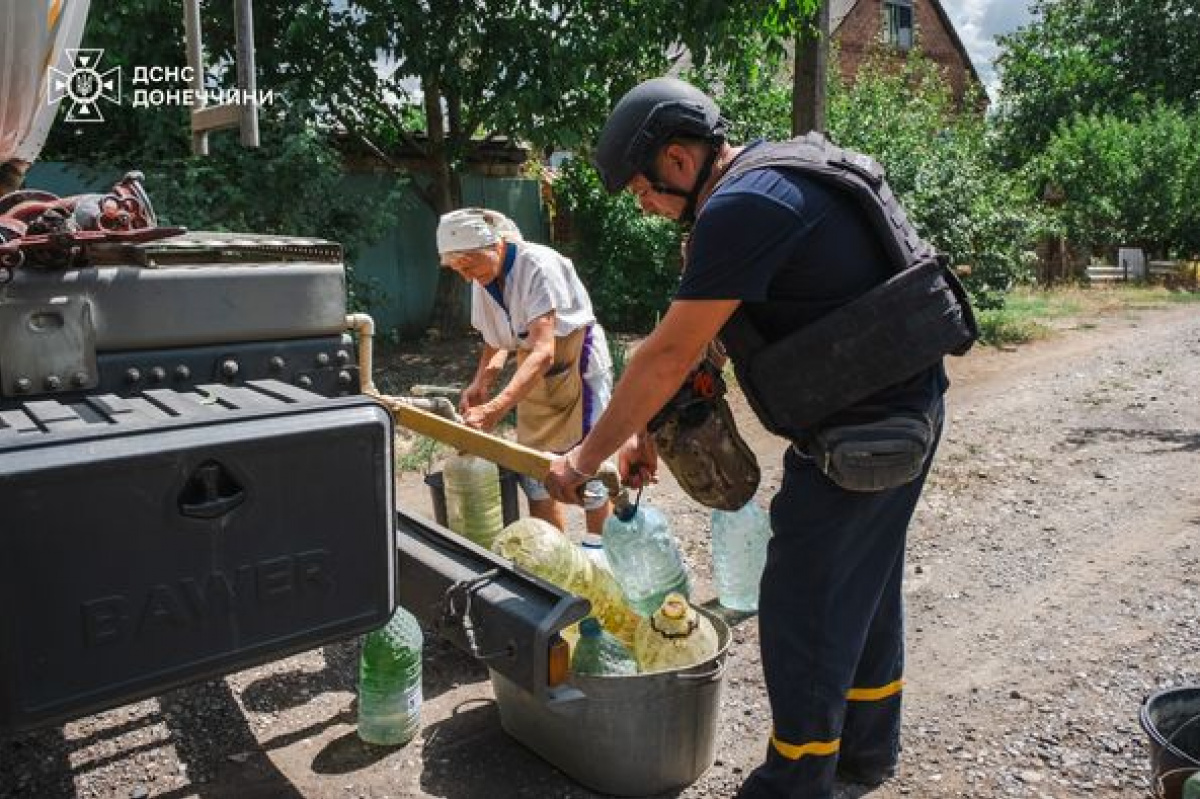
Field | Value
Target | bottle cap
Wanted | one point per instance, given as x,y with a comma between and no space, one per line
590,626
675,606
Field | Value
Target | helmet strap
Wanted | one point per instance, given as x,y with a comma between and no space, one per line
692,195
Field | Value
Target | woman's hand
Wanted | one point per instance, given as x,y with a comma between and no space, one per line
484,417
473,395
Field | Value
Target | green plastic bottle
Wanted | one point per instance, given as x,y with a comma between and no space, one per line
389,681
600,654
1191,788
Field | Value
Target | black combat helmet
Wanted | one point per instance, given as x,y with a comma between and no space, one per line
647,116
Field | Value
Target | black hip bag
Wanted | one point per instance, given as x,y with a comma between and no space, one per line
873,456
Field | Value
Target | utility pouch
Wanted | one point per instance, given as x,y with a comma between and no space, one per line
696,437
873,456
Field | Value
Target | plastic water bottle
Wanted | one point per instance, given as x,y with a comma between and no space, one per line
675,637
473,504
593,547
541,548
1191,788
600,654
389,681
644,557
739,553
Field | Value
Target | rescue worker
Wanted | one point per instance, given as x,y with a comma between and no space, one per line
527,299
787,249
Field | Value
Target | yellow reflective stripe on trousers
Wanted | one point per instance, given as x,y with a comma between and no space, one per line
875,694
797,751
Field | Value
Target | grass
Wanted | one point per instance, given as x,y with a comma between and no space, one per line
1031,313
420,456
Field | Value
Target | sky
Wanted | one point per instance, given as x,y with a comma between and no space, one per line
978,22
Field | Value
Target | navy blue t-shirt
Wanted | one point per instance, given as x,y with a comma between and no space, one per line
777,235
792,249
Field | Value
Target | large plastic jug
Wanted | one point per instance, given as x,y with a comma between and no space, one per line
599,653
739,553
644,557
674,637
389,681
473,506
543,549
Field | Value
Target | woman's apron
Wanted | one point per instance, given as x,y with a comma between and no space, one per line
552,416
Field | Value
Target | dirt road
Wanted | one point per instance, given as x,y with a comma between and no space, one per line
1054,581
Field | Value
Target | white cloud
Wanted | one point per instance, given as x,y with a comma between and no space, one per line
978,23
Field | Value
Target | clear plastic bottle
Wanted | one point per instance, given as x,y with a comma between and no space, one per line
600,654
473,504
675,637
389,681
541,548
739,553
644,557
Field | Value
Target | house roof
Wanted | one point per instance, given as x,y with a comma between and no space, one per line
840,9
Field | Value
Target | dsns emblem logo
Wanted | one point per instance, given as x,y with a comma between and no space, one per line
85,86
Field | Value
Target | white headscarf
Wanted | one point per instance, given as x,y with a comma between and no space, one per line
474,229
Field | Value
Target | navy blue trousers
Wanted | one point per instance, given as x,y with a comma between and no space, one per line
831,626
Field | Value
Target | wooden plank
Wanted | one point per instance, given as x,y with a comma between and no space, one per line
509,454
216,117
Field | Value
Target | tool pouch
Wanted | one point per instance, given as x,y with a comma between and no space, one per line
696,437
873,456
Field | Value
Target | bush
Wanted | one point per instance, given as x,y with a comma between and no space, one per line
1126,181
628,261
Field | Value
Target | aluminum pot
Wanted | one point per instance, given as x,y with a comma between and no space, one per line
625,736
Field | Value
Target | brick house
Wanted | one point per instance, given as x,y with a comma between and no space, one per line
864,28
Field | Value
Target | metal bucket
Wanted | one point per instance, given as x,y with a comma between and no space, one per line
625,736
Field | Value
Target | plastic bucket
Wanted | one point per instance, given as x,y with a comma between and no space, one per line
510,505
627,736
1172,720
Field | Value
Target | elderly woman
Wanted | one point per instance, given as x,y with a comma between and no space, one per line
527,299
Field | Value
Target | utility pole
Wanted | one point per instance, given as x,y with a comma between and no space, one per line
811,72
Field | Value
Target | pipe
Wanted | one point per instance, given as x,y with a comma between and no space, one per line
364,326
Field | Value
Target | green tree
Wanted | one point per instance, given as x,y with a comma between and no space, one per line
292,184
431,77
1095,56
939,162
1126,181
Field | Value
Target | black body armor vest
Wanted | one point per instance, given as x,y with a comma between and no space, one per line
881,338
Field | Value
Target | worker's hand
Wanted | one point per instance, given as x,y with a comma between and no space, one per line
473,395
484,417
637,461
565,482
